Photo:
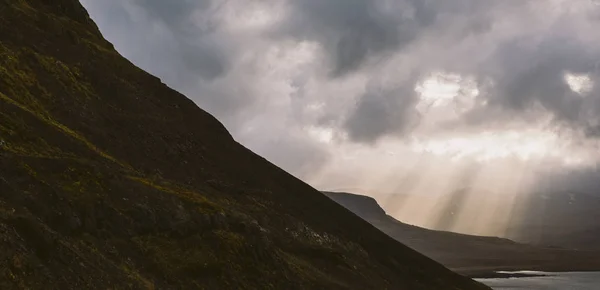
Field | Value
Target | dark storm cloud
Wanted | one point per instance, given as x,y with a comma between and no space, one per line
355,31
529,73
205,59
350,30
380,112
196,46
360,35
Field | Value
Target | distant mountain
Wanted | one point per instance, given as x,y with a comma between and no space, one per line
560,218
465,253
566,219
363,206
111,180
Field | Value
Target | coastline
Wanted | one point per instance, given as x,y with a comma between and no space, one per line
518,272
507,275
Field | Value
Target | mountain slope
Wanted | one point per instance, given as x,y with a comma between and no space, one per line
466,253
111,180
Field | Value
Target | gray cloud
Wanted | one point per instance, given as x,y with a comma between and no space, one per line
206,60
197,47
381,112
356,31
350,30
530,72
179,15
361,35
351,66
174,13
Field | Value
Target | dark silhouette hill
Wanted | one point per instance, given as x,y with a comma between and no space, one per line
111,180
472,255
549,218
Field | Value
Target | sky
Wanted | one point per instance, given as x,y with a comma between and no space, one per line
389,97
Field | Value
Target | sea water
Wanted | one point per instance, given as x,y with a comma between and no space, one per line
553,281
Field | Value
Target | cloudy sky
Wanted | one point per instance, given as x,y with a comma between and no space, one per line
386,96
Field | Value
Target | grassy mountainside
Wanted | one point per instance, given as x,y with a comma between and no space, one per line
111,180
468,254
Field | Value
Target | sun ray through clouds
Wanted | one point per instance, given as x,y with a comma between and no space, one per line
471,182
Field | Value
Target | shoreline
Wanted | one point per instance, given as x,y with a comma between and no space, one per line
500,275
520,272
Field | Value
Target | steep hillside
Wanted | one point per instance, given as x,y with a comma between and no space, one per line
465,253
111,180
